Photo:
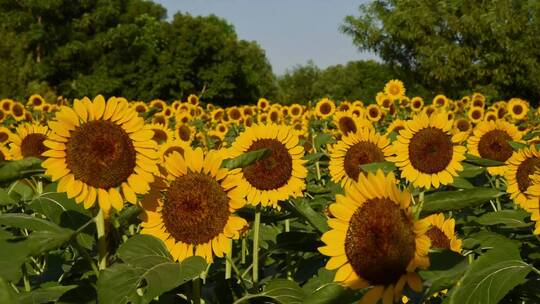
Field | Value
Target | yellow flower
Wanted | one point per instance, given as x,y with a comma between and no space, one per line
346,122
277,176
162,134
194,216
394,89
519,168
325,108
100,151
373,113
441,233
475,114
263,104
28,140
361,253
427,153
417,103
518,108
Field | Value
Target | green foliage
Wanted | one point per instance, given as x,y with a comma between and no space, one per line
456,46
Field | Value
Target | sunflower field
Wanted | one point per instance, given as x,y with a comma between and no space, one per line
400,200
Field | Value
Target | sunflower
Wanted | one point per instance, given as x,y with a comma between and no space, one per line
222,128
6,104
234,114
373,113
277,176
185,133
296,110
100,151
519,168
158,104
263,104
217,115
274,116
394,89
168,112
440,101
2,115
193,100
347,122
359,148
161,133
344,106
417,103
490,141
35,101
325,108
361,253
430,110
28,140
442,234
5,135
160,119
194,216
518,108
17,111
172,146
426,151
140,107
475,114
396,126
462,125
5,154
478,100
490,116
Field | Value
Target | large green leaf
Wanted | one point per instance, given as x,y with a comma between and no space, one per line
149,271
321,140
44,294
491,276
454,200
508,218
7,294
483,162
316,219
386,167
5,198
445,270
21,220
471,170
281,291
245,159
13,170
462,183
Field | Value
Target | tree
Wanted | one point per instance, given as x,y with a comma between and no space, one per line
456,46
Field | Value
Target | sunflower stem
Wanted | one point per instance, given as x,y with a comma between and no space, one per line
497,200
196,291
102,241
228,266
244,250
288,229
256,226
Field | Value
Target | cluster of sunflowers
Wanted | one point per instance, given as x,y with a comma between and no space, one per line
176,161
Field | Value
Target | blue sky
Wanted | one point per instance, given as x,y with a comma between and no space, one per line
291,32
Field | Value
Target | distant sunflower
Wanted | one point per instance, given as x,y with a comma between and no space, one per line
427,153
396,126
296,110
462,125
417,103
6,104
100,151
478,100
374,239
195,214
394,89
277,176
193,100
476,115
325,108
5,135
430,110
263,104
36,101
162,134
217,115
274,116
518,108
347,122
5,154
359,148
160,119
158,104
519,168
373,113
185,133
234,114
168,112
28,140
490,116
140,107
17,111
222,128
490,141
171,146
442,233
344,106
440,101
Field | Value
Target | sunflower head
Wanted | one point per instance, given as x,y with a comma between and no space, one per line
28,140
440,101
193,211
518,108
325,108
193,100
394,89
476,114
442,233
263,104
17,111
518,171
417,103
100,151
373,113
374,239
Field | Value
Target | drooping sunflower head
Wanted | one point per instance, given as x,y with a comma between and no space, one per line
518,108
417,103
426,151
394,89
162,134
374,239
373,113
277,176
490,141
28,140
195,206
100,151
518,171
354,149
442,233
325,108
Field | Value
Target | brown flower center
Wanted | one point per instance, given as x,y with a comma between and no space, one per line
380,241
274,116
347,124
517,109
173,149
234,114
295,111
438,238
416,104
6,106
3,136
140,109
325,108
160,119
463,125
184,133
195,209
100,154
32,145
159,136
272,171
494,145
430,150
525,170
361,153
373,112
17,110
476,114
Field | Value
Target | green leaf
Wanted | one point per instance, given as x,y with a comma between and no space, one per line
321,140
245,159
7,294
462,183
313,157
491,276
329,293
149,271
25,221
5,198
373,167
531,135
483,162
13,170
508,218
446,269
517,145
470,171
44,295
12,256
316,219
454,200
281,291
